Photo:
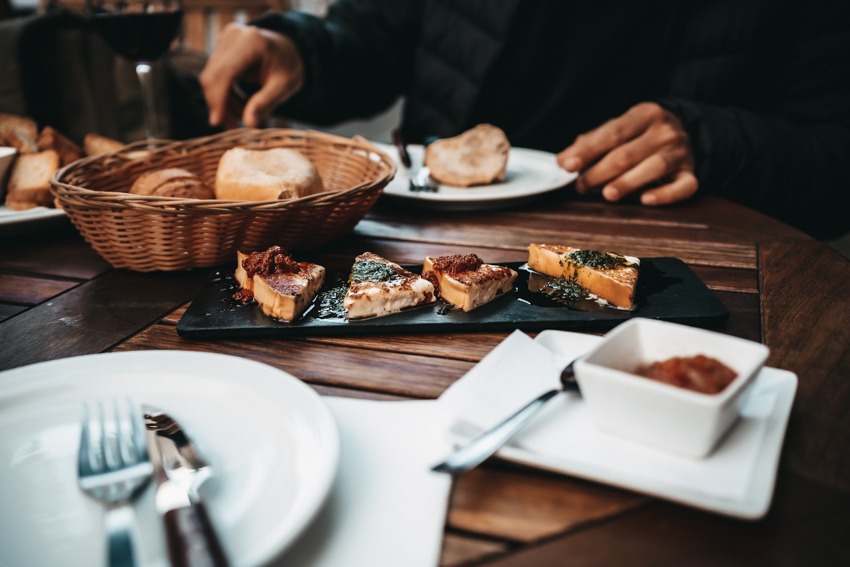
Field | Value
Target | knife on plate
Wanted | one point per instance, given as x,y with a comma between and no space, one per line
180,472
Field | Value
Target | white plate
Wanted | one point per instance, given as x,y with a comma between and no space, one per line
530,173
736,479
29,219
271,441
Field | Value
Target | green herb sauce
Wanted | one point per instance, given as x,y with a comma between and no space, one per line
330,303
563,289
597,260
371,271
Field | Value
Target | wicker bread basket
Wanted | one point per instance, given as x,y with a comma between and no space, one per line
145,233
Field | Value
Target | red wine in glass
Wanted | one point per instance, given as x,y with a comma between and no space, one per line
140,31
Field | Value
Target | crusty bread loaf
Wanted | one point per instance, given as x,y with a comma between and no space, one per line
171,182
261,175
95,145
29,182
50,139
19,132
476,157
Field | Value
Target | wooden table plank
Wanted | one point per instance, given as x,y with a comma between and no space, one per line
56,254
93,316
412,376
808,526
805,339
529,506
29,290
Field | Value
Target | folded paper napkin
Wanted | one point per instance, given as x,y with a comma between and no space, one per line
386,507
564,433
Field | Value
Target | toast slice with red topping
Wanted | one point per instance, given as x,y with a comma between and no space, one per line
466,281
282,287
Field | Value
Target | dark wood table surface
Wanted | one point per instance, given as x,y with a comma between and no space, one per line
59,299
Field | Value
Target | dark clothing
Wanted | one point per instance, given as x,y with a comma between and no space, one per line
760,85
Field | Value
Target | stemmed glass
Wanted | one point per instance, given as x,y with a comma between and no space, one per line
140,31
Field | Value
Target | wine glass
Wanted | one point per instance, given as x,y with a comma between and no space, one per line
140,31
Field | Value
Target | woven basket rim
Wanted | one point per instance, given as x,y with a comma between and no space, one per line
163,147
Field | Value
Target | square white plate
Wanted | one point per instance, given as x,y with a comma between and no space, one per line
737,479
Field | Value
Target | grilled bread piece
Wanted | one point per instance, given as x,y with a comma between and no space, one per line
466,281
609,276
282,287
286,295
242,278
378,287
475,157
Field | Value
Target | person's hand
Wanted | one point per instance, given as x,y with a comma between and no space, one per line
259,56
646,149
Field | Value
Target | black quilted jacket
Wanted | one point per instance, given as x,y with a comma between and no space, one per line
761,85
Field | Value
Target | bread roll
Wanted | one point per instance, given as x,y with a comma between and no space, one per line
171,182
95,145
476,157
29,183
262,175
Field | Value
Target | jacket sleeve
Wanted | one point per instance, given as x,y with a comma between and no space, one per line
356,58
788,153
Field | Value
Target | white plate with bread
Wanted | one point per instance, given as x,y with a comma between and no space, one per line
529,173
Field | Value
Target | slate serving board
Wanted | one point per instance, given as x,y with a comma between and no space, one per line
667,289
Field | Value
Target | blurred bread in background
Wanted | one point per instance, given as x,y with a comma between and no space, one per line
95,145
19,132
50,139
40,155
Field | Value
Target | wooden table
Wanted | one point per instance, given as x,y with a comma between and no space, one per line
59,299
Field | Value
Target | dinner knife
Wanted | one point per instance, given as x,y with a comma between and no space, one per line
180,472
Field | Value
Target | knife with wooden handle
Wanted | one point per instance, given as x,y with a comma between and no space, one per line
180,471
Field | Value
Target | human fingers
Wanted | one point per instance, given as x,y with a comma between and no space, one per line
653,161
592,145
662,149
281,75
262,102
238,50
683,186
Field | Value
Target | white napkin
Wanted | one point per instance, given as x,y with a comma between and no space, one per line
386,507
564,433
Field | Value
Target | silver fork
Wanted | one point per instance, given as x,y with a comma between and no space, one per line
113,467
420,179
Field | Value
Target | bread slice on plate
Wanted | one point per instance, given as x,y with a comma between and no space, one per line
379,287
476,157
29,182
609,276
466,281
282,287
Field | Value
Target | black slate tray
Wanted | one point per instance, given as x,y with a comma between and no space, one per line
667,289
